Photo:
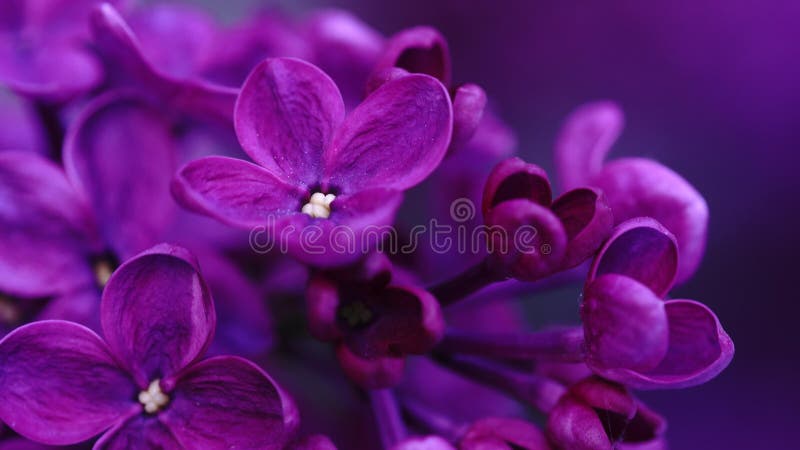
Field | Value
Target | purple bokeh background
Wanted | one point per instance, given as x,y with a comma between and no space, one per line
711,88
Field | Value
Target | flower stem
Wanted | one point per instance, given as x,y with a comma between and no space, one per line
387,414
564,345
466,283
537,390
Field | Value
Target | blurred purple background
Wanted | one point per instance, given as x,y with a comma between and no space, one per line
710,88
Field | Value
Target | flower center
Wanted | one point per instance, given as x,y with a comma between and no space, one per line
153,399
355,314
102,272
319,205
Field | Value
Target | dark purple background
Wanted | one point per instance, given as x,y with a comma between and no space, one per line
710,88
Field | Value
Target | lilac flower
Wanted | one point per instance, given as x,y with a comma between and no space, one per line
567,231
41,51
503,433
634,187
424,50
373,321
632,335
175,80
144,383
22,130
316,168
599,415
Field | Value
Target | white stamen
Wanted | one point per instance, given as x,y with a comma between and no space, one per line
319,205
153,398
102,272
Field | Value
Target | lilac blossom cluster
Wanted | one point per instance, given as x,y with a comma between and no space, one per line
142,145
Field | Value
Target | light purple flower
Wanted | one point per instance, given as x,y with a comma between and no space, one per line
316,167
564,232
632,335
596,414
634,187
144,384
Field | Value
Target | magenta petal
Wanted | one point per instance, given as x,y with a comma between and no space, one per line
234,191
575,426
60,384
513,178
585,138
157,314
228,402
285,116
394,139
120,153
641,249
46,230
469,102
140,431
699,349
314,442
625,325
377,373
503,433
418,50
641,187
588,221
528,240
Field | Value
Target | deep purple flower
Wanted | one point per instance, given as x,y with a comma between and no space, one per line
169,77
634,187
564,232
378,321
503,434
632,335
424,50
316,168
41,48
596,414
144,385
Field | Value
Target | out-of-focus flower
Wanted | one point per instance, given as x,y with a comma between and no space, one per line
42,48
63,384
634,187
21,127
599,415
377,321
316,168
503,434
564,232
632,335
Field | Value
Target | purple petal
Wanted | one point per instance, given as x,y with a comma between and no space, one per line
322,307
469,102
175,38
314,442
126,66
120,153
244,326
285,117
140,431
585,138
394,139
432,442
49,70
228,402
528,240
641,187
377,373
46,230
516,179
418,50
81,306
22,129
235,191
641,249
699,349
625,325
345,48
574,425
157,314
503,433
60,384
588,221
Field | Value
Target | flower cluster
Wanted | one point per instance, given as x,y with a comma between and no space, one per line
147,150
